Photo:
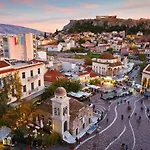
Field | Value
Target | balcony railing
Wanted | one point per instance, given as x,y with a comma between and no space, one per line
33,90
32,77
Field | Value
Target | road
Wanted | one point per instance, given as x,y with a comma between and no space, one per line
131,131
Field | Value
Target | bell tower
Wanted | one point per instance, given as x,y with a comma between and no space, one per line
60,111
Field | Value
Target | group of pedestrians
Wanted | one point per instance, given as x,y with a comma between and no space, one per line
123,146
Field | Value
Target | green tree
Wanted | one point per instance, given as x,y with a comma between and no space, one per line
95,81
18,86
81,41
142,66
69,85
142,57
88,61
110,50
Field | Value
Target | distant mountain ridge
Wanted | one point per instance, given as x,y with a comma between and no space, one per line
14,29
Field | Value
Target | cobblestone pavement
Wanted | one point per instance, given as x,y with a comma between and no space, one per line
131,131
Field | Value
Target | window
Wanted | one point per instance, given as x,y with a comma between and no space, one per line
39,82
31,73
39,71
32,86
23,75
1,83
24,88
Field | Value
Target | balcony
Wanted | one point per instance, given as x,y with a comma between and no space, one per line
32,77
33,90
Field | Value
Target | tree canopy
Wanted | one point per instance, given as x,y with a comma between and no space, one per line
88,61
69,85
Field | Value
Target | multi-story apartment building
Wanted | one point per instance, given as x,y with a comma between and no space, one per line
22,47
30,73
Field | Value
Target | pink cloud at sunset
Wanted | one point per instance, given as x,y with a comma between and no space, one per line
55,9
86,5
23,1
135,4
2,6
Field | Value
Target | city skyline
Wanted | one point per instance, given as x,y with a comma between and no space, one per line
49,15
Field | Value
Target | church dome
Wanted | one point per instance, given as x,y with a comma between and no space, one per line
60,91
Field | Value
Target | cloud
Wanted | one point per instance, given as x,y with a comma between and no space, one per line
134,4
23,1
86,5
4,14
2,6
55,9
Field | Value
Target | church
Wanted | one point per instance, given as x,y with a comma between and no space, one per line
66,115
70,117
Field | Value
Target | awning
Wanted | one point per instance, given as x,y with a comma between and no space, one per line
4,132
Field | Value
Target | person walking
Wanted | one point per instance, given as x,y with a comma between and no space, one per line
107,120
147,109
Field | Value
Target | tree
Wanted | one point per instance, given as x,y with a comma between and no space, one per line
69,85
142,66
142,57
88,61
18,86
56,32
45,36
81,41
110,50
95,81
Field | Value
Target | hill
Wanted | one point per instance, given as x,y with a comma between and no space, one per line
108,24
13,29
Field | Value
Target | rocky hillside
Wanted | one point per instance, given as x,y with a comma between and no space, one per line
108,24
12,29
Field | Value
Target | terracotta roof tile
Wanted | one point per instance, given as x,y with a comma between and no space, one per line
4,64
83,73
74,104
88,69
7,71
147,68
92,74
115,64
53,76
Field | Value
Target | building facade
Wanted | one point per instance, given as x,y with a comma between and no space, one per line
31,76
107,65
69,114
145,82
21,47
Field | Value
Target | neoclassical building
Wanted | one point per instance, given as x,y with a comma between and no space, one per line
145,82
107,65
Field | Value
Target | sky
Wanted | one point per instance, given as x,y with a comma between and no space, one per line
49,15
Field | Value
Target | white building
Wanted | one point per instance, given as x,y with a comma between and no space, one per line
42,55
22,47
145,82
107,65
31,75
70,118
